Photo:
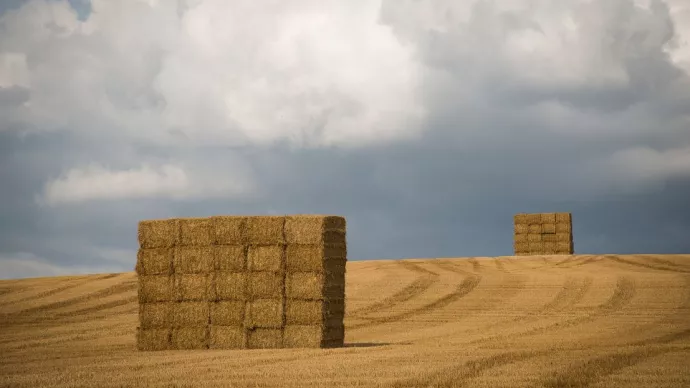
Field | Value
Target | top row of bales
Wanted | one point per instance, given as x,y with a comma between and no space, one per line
542,218
242,230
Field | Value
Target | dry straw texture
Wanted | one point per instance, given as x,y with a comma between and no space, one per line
520,238
310,336
154,261
548,218
521,218
563,218
193,260
521,228
265,285
534,219
229,258
534,237
186,314
190,338
192,287
155,315
227,313
563,228
564,237
314,258
229,230
548,228
265,230
312,285
230,286
549,237
265,338
521,247
266,258
315,312
158,233
155,288
264,313
153,339
196,232
542,233
227,337
535,229
315,229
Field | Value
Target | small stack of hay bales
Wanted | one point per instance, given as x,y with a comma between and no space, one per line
543,234
241,282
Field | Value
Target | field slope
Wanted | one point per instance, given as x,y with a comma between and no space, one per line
541,321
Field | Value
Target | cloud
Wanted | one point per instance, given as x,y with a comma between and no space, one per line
96,182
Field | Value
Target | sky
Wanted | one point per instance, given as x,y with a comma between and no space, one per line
427,124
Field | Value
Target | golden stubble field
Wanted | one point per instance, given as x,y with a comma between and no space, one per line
540,321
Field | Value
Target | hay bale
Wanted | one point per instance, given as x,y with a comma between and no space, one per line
315,229
155,288
229,230
188,260
196,232
548,228
536,247
315,312
563,228
535,229
314,286
264,285
315,258
548,218
549,248
534,237
564,218
521,228
533,218
313,336
154,261
564,237
229,286
229,258
265,230
265,313
158,233
564,247
152,339
520,219
187,314
268,258
520,238
549,237
227,313
264,338
192,287
155,315
227,337
188,338
520,247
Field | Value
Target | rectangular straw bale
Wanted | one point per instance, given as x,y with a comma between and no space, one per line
230,286
229,230
564,247
227,313
535,229
268,258
520,219
564,237
549,248
563,228
189,338
314,312
520,247
196,231
549,237
193,260
313,336
315,229
313,285
536,247
265,313
265,230
230,258
193,287
522,253
521,228
548,218
520,238
185,314
534,219
155,288
155,315
314,258
150,339
533,237
261,338
548,228
265,285
227,337
154,261
158,233
564,218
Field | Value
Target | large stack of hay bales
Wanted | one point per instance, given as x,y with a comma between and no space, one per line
236,282
543,234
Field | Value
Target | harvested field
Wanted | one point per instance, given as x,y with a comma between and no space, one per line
530,321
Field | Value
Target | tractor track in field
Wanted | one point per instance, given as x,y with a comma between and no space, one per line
423,282
645,265
65,287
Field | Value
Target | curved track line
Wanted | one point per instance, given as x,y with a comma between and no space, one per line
417,287
644,265
499,265
660,261
476,266
51,292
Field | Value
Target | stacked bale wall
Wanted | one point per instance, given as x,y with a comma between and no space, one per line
242,282
543,234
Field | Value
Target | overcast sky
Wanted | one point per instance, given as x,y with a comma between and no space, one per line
428,124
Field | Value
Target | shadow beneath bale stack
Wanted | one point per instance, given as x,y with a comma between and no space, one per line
366,344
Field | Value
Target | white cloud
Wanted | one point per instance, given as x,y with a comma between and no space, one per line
96,182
